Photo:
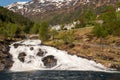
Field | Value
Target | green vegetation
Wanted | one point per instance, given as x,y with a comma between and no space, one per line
44,31
53,33
12,24
10,30
68,37
100,31
35,28
110,23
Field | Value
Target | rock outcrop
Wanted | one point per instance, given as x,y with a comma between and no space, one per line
5,57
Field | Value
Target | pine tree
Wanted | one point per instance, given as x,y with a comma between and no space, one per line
35,28
44,31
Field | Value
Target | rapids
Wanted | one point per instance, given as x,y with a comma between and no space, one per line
32,55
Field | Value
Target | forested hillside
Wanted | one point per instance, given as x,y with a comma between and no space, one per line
12,24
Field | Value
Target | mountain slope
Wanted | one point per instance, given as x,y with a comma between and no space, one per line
48,9
9,17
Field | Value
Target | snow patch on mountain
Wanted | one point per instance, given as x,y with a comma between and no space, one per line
17,4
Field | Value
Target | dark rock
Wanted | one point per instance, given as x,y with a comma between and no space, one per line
49,61
21,56
71,45
115,66
29,61
31,48
9,64
1,67
2,55
5,61
15,45
41,53
7,48
5,57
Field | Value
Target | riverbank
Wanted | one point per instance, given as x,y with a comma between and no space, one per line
6,61
86,45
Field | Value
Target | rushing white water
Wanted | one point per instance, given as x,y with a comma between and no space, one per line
33,61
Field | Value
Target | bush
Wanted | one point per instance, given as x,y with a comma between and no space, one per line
100,31
68,37
53,33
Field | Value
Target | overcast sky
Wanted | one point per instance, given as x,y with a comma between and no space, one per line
7,2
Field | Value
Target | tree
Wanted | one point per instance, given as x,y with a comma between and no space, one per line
53,32
35,28
81,23
109,14
10,30
100,32
68,37
89,16
62,27
110,20
44,31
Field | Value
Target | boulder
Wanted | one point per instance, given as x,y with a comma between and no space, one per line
41,53
49,61
31,48
21,56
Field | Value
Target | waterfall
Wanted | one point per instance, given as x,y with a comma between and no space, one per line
32,55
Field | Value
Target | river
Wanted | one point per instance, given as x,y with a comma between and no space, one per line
34,61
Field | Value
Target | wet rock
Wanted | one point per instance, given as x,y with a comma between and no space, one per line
5,61
41,53
15,45
6,48
1,67
49,61
8,64
29,61
21,56
31,48
2,55
5,57
115,66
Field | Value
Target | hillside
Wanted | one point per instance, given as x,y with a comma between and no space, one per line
84,44
60,11
9,21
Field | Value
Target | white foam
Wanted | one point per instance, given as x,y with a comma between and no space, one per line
64,60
